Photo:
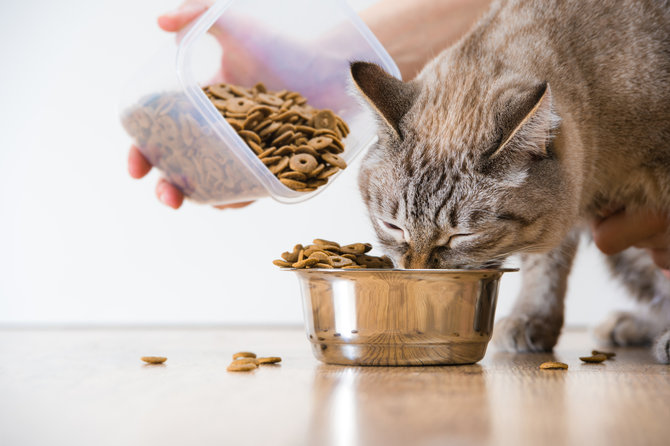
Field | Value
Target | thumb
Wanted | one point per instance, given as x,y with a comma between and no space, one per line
179,18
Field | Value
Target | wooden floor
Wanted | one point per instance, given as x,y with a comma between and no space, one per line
88,387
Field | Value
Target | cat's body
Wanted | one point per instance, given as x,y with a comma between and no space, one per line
545,115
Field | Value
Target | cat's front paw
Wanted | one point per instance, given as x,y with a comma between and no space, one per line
662,348
623,329
525,333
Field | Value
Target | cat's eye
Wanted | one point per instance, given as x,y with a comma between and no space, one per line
456,238
391,226
398,233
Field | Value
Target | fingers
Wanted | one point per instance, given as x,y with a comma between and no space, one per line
623,230
138,166
234,205
661,258
176,20
169,194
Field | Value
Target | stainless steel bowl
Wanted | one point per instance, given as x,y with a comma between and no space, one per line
399,317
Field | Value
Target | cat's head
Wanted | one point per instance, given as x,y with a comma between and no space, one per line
463,175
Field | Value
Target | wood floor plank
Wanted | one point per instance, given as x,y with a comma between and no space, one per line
88,386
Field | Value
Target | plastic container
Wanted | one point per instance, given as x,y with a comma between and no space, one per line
298,45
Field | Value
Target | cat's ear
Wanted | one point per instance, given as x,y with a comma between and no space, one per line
390,97
528,122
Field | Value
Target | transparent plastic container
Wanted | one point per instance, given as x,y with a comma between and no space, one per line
298,45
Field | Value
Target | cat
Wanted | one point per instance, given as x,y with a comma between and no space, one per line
544,115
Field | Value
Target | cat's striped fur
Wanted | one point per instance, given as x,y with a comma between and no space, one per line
506,143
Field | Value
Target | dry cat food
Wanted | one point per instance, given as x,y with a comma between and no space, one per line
552,365
244,355
331,255
608,355
247,361
597,358
269,360
241,366
298,144
154,359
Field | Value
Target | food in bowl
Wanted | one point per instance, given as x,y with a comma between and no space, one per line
331,255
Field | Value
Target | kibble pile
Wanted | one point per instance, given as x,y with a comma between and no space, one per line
327,254
298,143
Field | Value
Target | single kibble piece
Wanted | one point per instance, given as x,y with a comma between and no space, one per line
244,355
269,360
154,359
552,365
607,354
241,367
246,361
593,359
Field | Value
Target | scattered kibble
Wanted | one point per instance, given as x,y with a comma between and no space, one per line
597,358
609,355
552,365
154,359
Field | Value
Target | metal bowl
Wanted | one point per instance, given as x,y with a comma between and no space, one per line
399,317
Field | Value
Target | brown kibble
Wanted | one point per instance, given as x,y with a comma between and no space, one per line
307,149
269,360
154,359
341,262
268,99
285,150
609,355
244,355
321,257
239,105
267,152
305,263
280,166
320,142
325,119
356,248
334,160
328,173
282,263
270,160
241,367
593,359
283,138
292,184
303,162
245,361
291,175
324,242
551,365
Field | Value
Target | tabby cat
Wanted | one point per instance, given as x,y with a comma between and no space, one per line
544,115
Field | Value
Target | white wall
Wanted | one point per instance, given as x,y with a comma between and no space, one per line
81,242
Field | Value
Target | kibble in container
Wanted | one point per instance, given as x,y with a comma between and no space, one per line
302,46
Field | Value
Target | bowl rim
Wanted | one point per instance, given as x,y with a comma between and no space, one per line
400,270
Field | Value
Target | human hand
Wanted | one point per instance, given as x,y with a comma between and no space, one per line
641,229
138,165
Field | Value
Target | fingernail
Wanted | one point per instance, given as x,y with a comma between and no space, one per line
164,196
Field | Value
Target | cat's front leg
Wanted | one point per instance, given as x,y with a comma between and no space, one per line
537,317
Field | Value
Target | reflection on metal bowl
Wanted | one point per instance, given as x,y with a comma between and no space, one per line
399,317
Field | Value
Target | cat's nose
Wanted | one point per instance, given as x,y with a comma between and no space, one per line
414,260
